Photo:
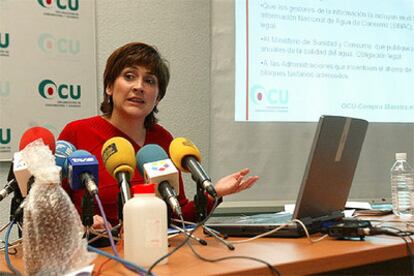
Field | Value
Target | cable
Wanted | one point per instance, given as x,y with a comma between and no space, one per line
134,268
261,235
396,232
99,269
307,232
6,249
126,263
186,238
410,252
106,224
273,270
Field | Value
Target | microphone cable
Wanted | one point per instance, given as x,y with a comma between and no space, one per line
129,265
6,249
106,225
188,236
126,263
396,232
307,232
272,269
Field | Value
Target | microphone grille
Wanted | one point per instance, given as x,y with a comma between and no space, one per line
180,148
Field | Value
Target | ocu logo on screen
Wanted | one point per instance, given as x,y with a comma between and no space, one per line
48,89
262,96
48,43
4,40
5,136
72,5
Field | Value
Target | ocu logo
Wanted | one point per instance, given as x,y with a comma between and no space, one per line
5,136
4,40
49,44
4,88
50,90
72,5
259,95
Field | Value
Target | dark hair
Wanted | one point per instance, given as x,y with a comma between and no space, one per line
135,54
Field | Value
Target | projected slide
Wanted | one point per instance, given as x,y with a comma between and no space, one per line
296,60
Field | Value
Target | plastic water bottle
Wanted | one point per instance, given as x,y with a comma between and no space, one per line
402,186
145,227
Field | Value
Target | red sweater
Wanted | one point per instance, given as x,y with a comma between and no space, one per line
90,134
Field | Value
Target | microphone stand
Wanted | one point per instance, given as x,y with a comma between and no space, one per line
16,216
186,232
87,221
211,232
16,202
200,201
124,187
87,207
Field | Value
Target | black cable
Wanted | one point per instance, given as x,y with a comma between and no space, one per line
396,232
185,240
409,250
273,270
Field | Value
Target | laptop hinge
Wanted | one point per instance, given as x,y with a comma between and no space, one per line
316,222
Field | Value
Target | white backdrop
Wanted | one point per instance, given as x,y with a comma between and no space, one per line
33,33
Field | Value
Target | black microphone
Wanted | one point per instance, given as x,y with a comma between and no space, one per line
9,188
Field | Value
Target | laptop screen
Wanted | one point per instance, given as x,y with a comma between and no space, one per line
331,166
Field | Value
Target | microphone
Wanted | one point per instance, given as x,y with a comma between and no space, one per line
63,150
19,177
118,156
20,169
11,185
9,188
35,133
21,173
83,171
153,163
186,158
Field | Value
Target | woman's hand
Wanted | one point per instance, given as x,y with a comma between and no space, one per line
235,183
98,223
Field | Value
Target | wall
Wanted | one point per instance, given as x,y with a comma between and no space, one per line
180,29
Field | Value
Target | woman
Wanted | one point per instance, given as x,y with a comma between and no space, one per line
135,81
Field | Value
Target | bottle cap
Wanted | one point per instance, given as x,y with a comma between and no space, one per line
143,189
401,156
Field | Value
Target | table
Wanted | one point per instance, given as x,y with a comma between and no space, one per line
289,255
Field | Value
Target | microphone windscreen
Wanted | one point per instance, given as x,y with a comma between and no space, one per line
76,153
34,133
149,153
180,148
118,155
63,150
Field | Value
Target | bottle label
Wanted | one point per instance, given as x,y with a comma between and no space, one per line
153,233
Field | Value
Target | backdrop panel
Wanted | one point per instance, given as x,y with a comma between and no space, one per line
47,66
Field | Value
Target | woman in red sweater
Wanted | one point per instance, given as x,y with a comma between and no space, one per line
135,81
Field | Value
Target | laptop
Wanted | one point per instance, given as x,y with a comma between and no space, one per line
325,185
